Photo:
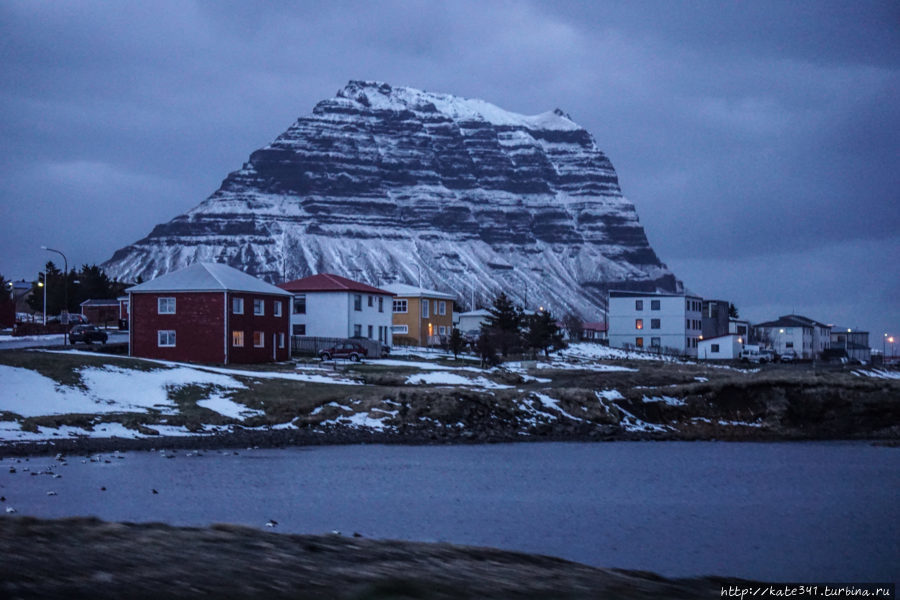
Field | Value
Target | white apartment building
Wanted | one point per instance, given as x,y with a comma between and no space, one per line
806,337
659,322
327,305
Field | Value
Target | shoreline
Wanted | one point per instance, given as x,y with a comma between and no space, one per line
307,438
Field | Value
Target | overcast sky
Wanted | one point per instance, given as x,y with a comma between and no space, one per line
759,141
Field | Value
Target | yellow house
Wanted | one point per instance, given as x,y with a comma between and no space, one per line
423,315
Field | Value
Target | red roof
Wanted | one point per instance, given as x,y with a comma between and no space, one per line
326,282
596,326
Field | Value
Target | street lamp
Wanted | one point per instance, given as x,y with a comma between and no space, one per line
65,292
43,284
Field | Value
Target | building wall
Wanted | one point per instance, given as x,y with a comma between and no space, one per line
333,314
201,334
425,330
274,347
678,330
720,348
715,318
198,323
782,339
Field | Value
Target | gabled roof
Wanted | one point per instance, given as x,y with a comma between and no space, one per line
594,326
792,321
100,302
327,282
481,312
207,277
411,291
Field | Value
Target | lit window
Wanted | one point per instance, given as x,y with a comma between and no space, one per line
259,339
638,323
165,306
400,306
165,339
639,342
259,307
237,339
237,306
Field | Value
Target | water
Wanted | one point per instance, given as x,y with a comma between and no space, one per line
775,511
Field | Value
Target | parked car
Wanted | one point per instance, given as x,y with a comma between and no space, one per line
766,355
87,334
789,356
350,350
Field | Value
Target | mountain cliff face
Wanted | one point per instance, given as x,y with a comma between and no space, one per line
385,184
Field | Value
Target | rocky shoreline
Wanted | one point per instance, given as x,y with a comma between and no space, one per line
88,558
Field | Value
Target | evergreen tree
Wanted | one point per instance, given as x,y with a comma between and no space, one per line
574,326
456,343
732,311
503,325
542,332
486,350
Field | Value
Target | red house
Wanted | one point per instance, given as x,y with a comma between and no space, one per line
209,313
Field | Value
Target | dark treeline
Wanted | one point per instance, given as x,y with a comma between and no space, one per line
78,286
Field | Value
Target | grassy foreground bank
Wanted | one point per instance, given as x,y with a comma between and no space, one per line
87,558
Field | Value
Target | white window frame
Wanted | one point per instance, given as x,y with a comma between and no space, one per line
357,302
277,308
236,337
401,303
400,329
259,307
237,306
164,304
424,309
262,339
442,308
357,330
381,304
297,299
281,340
168,335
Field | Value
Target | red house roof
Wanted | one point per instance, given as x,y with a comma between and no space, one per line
327,282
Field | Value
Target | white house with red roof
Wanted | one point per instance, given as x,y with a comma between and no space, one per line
327,305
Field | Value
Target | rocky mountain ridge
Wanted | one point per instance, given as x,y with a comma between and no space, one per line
385,184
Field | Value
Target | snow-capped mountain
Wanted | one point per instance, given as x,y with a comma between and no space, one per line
385,184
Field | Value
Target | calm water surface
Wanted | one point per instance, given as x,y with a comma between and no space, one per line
781,512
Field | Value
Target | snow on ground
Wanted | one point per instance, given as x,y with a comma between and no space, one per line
10,431
443,378
30,338
554,404
629,421
878,374
108,390
665,400
589,351
229,408
609,395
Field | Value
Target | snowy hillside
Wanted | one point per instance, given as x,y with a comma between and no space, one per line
385,184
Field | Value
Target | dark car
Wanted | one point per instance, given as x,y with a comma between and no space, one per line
87,334
350,350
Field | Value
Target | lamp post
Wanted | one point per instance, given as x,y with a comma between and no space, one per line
65,292
43,284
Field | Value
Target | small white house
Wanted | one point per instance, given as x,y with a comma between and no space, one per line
723,347
327,305
470,322
656,322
